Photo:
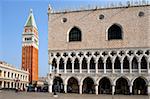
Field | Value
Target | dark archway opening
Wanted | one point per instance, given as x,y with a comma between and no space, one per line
139,87
88,86
104,86
122,86
58,85
72,86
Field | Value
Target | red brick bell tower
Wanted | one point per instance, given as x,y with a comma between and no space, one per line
30,43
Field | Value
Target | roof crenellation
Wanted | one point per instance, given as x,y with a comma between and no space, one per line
108,6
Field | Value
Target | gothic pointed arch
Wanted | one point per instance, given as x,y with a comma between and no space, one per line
134,63
92,63
117,64
143,63
69,64
75,34
126,63
76,63
61,63
84,63
100,63
54,63
115,32
108,63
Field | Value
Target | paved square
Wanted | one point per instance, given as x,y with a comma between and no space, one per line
32,95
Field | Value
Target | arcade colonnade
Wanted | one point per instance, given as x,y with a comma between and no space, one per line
102,85
125,70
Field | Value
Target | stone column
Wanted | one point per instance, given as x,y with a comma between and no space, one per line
2,74
80,88
2,84
131,89
65,88
96,89
96,68
50,68
121,66
88,67
104,67
130,67
80,67
50,88
57,66
148,89
73,66
11,86
113,70
50,84
139,67
148,69
65,71
113,89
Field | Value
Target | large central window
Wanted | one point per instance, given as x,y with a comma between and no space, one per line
75,34
114,32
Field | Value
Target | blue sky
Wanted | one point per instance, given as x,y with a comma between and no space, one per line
13,15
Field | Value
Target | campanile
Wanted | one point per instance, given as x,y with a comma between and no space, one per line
30,43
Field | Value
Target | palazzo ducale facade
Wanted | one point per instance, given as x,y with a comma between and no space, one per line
100,51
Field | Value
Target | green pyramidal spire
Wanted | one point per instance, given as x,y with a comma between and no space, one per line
31,21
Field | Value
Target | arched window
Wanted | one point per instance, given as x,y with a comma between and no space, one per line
100,63
108,63
134,63
76,64
69,64
92,63
125,63
54,64
75,34
143,63
117,64
61,64
114,32
84,63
